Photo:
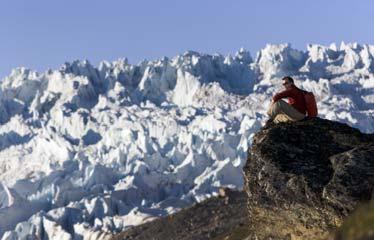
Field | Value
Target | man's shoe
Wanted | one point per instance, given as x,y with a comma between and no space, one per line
268,123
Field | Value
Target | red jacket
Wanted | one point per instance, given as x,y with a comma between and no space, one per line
295,98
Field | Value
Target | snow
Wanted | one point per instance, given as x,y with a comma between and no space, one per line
87,151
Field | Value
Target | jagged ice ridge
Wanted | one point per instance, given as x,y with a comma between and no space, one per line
89,151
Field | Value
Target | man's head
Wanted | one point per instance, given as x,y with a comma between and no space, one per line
287,82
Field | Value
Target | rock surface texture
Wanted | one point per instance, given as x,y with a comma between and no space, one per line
212,219
303,178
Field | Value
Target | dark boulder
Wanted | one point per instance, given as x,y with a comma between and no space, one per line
304,177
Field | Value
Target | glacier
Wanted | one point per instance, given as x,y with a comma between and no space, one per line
87,151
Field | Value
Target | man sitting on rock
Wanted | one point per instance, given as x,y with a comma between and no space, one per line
294,110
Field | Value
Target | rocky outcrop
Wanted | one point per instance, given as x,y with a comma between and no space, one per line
211,219
303,178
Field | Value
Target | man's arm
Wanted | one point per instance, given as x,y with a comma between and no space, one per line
283,94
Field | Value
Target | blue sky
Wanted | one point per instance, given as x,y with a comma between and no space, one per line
42,34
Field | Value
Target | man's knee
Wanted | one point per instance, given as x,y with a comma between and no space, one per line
274,109
277,106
